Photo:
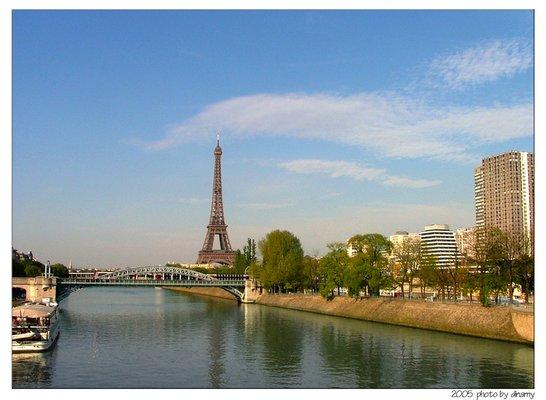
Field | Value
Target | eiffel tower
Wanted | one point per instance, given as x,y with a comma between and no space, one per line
217,225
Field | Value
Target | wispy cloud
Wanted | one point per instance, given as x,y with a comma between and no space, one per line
481,63
193,200
264,206
337,169
387,123
401,181
333,168
332,194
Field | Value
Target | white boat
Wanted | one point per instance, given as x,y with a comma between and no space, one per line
26,335
35,327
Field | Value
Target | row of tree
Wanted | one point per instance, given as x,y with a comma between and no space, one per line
32,268
492,266
284,267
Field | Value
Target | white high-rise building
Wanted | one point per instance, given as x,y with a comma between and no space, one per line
439,241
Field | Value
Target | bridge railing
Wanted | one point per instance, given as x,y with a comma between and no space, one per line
153,282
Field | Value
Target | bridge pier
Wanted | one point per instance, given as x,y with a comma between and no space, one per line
37,289
251,292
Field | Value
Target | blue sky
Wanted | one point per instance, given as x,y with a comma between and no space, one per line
333,123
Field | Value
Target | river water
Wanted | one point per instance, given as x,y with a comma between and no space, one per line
156,338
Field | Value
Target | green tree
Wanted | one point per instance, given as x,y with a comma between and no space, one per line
457,274
32,270
427,272
249,251
282,260
487,255
254,270
239,263
17,268
332,269
244,258
357,275
442,277
59,270
514,249
470,283
374,245
524,275
311,273
497,280
371,267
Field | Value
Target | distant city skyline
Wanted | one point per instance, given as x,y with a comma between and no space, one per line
332,123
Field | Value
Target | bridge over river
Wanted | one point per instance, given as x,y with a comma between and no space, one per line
239,286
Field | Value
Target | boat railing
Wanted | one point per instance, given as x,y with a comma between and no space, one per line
30,327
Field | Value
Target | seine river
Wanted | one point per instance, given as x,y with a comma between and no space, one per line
156,338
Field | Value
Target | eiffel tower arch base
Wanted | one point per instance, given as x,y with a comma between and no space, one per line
216,256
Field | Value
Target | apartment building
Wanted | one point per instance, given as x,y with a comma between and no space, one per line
504,193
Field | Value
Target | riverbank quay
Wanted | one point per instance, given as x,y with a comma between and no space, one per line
499,322
204,291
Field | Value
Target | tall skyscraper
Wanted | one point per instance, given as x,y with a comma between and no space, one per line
504,193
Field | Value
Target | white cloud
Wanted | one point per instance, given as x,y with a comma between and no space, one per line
264,206
484,62
390,124
337,169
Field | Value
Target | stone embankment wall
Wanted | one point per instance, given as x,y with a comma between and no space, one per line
205,291
503,323
37,289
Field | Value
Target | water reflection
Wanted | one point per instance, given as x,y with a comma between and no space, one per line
371,355
281,342
151,338
32,370
357,355
216,342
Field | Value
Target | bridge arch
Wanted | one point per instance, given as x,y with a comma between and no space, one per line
18,292
128,272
